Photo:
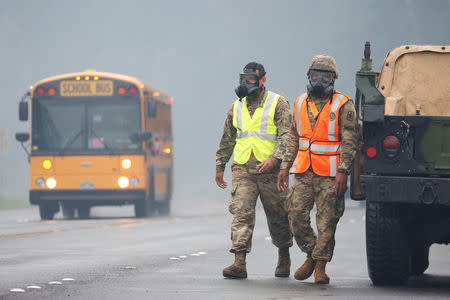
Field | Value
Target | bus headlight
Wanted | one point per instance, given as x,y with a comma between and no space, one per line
134,181
123,182
126,163
40,182
51,183
47,164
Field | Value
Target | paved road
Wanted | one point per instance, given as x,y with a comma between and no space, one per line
115,256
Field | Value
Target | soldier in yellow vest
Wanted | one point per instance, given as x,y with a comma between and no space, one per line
327,143
259,131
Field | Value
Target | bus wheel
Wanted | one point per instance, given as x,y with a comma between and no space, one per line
163,208
47,212
84,212
68,212
142,208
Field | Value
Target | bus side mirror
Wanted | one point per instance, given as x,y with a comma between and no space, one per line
145,136
22,136
141,136
23,111
152,107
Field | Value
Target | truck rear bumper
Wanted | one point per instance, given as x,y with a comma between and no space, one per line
93,197
399,189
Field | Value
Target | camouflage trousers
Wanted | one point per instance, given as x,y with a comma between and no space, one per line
245,191
309,188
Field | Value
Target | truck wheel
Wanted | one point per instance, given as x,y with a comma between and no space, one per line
386,244
419,260
68,212
47,212
84,212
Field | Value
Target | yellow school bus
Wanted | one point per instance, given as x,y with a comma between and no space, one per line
98,139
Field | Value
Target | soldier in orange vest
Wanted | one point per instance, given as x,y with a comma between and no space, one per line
327,143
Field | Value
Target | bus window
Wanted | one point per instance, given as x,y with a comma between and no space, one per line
112,125
60,126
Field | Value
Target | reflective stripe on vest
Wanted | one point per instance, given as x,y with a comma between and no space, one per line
262,133
319,148
259,135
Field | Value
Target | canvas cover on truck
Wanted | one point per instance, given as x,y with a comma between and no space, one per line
415,80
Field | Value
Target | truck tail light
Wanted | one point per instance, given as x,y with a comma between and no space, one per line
391,146
371,152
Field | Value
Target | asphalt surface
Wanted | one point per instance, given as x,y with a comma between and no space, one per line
115,256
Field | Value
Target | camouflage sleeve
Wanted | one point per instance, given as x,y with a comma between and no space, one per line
286,149
348,134
227,142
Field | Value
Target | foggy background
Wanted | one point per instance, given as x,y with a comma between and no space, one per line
194,50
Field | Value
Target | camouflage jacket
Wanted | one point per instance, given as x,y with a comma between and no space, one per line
285,150
348,130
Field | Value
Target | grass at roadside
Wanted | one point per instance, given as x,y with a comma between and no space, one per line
13,202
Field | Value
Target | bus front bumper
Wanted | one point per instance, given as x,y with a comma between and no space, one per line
93,197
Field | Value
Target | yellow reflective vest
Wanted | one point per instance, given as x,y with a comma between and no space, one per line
257,133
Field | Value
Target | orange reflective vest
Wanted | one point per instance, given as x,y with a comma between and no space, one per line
320,148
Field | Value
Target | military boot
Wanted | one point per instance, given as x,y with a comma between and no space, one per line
238,269
305,270
284,263
319,273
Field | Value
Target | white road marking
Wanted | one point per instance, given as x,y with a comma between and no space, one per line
182,256
364,218
130,268
203,253
17,290
268,238
33,287
68,279
173,258
195,254
55,282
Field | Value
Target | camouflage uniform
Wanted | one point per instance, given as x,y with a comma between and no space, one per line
310,188
248,184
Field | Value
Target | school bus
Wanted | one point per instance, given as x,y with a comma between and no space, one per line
98,139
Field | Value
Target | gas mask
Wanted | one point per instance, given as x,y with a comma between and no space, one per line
321,83
248,84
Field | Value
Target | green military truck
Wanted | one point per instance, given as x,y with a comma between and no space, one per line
403,168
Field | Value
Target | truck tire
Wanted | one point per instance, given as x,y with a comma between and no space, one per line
419,260
386,244
47,212
84,212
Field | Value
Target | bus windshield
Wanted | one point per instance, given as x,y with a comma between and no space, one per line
86,124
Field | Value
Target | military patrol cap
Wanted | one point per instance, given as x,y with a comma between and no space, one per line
323,62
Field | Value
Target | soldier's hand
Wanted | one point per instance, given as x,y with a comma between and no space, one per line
266,166
340,183
282,180
219,180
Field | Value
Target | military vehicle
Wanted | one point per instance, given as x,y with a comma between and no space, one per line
403,168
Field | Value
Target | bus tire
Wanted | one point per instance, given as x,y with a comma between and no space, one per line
46,211
141,208
84,212
68,211
164,207
386,244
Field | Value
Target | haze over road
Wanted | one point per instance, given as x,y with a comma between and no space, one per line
115,256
